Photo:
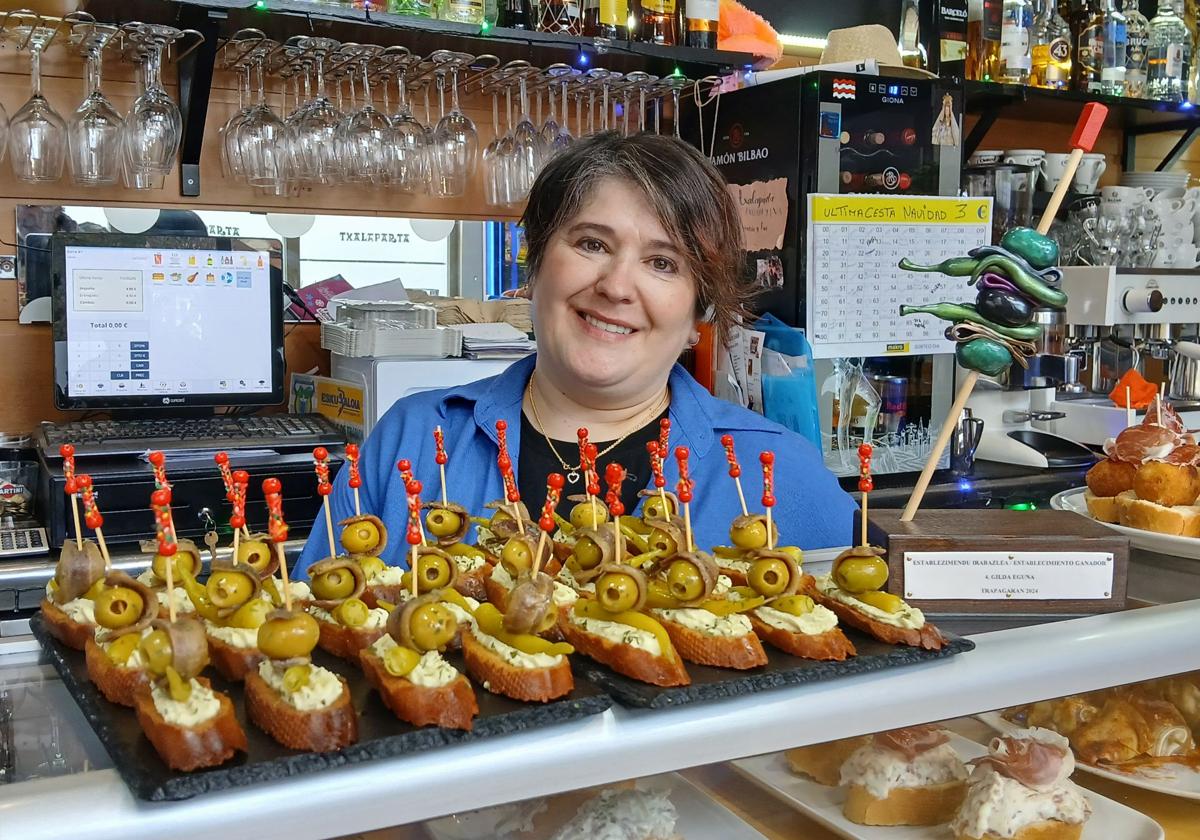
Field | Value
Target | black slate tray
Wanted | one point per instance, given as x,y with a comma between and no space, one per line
380,733
781,670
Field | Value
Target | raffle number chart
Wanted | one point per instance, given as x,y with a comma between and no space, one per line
856,285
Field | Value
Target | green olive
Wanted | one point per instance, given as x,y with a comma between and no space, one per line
254,553
251,615
750,535
352,613
118,607
587,553
581,515
794,604
156,650
360,537
685,580
442,522
432,627
371,566
769,577
284,637
122,647
617,592
662,542
516,556
399,661
435,571
228,588
334,585
180,560
861,574
296,678
656,508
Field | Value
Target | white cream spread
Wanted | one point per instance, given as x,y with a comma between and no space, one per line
814,622
564,596
376,618
183,601
621,634
513,656
323,687
502,577
909,618
880,770
238,637
202,704
1004,806
431,671
80,610
731,626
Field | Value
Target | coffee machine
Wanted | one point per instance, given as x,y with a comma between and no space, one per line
1121,319
1020,406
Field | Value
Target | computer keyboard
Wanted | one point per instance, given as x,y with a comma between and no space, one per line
134,437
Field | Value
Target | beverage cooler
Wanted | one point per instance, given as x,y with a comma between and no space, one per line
837,133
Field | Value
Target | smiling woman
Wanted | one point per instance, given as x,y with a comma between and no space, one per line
632,243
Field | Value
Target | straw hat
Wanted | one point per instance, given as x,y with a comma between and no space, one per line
869,41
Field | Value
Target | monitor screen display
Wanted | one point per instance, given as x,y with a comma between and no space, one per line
166,321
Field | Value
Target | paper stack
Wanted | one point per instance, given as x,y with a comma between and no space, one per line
494,341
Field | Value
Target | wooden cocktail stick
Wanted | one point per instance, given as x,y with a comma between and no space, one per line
1087,131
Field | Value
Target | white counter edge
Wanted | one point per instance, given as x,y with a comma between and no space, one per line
1008,667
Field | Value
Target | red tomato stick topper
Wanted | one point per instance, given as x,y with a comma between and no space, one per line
168,545
92,517
324,488
865,483
683,489
355,481
71,488
547,523
413,533
767,459
277,529
735,470
504,462
614,476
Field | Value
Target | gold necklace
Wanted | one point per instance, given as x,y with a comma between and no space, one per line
573,472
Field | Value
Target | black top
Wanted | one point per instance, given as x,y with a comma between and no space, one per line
535,461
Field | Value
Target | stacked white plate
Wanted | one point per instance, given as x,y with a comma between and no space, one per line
1157,181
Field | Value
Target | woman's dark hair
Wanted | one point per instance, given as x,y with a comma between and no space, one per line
687,193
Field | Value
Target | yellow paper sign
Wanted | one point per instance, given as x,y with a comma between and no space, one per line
892,209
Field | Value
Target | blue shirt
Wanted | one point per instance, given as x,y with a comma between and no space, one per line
811,509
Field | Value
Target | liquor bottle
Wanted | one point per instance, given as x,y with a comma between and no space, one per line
993,25
658,23
1112,67
702,17
1170,54
1051,49
975,39
912,51
1015,38
1089,46
516,14
1137,46
461,11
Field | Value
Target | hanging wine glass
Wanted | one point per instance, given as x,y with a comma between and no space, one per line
94,134
455,142
408,147
37,133
155,127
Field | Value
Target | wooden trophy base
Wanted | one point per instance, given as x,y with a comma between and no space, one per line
1002,562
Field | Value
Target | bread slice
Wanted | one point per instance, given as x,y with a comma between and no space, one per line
117,683
1103,508
927,636
1178,521
232,662
663,670
739,652
185,748
345,642
925,805
451,705
533,685
58,624
823,762
1044,830
319,730
832,645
